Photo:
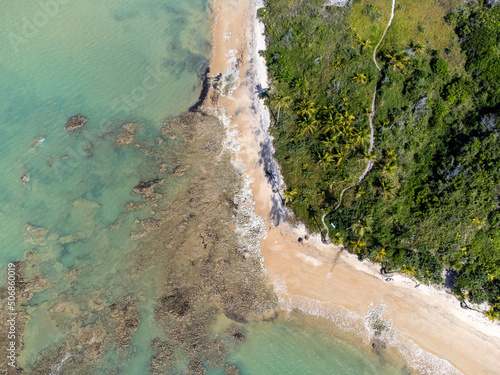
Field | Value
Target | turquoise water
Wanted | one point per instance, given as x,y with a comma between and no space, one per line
118,62
112,62
298,346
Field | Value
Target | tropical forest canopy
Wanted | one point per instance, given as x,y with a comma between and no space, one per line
430,202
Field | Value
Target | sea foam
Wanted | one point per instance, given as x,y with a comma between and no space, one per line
365,327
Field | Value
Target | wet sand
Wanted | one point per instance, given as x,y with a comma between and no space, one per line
318,278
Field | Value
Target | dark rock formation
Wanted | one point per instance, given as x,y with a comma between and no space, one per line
236,333
142,186
204,91
178,171
75,123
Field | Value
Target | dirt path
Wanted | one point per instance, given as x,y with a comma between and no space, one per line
369,164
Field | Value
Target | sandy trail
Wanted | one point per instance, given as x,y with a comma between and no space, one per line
313,276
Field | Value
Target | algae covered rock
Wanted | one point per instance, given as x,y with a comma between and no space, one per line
127,134
126,315
75,123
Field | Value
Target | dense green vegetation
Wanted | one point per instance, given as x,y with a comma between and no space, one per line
431,200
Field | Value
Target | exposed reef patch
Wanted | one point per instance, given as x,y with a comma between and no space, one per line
127,134
191,264
75,123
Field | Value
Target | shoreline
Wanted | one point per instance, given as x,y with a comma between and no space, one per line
432,330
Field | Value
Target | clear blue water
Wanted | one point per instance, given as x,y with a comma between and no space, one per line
114,62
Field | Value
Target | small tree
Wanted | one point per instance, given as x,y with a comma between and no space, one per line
398,60
358,245
359,78
492,314
379,255
280,101
289,195
307,109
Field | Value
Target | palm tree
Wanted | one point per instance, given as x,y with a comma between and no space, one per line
410,271
379,255
369,157
363,226
308,125
300,84
362,136
344,119
331,142
329,126
398,60
289,195
390,154
307,108
327,112
337,65
419,47
280,101
338,239
492,314
358,245
325,159
387,189
389,169
365,44
340,155
297,137
359,78
330,183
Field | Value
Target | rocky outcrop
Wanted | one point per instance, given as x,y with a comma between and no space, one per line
178,171
126,315
127,134
25,179
75,123
37,142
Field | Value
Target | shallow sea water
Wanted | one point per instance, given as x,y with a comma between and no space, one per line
96,294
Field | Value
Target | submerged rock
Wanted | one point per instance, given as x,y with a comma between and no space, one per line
148,225
126,315
163,360
75,123
35,235
90,149
236,333
134,206
146,185
147,189
127,135
25,179
37,142
180,303
231,370
178,171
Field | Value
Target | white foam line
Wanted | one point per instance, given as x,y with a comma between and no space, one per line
57,367
424,362
249,227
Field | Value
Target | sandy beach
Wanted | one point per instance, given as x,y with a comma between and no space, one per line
431,330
